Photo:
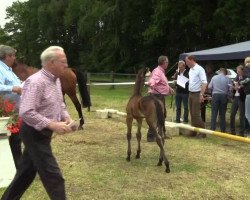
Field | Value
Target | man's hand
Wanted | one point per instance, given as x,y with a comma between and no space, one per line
171,90
202,98
59,127
17,89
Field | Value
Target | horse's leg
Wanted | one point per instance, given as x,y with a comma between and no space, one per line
160,141
129,121
78,107
138,137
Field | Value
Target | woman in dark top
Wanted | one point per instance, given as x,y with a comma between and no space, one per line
181,93
238,102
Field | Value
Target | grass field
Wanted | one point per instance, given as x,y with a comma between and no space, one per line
94,166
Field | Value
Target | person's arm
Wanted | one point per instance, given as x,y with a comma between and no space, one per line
203,79
3,86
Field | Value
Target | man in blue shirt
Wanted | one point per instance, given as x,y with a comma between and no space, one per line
219,85
10,89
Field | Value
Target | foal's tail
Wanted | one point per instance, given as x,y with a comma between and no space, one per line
159,113
82,85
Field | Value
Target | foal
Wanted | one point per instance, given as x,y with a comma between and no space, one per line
152,110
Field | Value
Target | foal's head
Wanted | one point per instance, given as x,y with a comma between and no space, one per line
140,80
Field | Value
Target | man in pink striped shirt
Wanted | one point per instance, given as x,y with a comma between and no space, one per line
43,112
159,87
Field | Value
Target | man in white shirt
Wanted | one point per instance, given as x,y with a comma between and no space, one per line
197,87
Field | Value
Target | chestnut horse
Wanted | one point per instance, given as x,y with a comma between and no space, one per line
69,79
150,108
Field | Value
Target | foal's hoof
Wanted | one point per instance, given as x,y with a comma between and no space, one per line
159,164
128,159
137,156
80,128
168,170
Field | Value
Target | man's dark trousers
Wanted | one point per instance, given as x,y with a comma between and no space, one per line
16,149
37,157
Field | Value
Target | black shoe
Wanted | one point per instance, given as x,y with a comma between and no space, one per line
177,121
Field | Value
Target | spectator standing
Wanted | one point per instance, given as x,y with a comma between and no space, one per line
208,93
246,84
238,102
10,89
43,111
220,86
181,95
159,87
197,87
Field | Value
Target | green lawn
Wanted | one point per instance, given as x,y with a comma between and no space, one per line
94,166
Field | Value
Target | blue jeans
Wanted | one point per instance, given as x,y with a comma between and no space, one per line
237,105
179,98
219,105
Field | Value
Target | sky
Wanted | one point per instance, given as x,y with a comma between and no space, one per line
3,5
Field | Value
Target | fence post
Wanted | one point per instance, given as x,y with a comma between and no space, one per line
112,79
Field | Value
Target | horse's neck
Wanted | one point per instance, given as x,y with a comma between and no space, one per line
23,71
138,86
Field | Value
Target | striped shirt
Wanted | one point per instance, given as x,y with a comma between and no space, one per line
7,80
197,77
42,100
158,82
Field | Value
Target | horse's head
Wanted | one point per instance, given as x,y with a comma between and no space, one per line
144,72
23,71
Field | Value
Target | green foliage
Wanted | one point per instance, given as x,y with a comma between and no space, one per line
122,36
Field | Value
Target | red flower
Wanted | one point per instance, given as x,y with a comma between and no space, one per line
7,109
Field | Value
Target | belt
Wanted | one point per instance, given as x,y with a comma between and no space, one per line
194,92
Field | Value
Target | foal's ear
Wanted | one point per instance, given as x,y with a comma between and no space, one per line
147,72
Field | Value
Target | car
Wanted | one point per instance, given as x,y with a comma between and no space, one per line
230,73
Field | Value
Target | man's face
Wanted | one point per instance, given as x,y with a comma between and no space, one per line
10,59
60,64
181,66
188,62
165,64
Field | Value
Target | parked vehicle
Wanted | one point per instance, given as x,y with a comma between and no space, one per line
230,73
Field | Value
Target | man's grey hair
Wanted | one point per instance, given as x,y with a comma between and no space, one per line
6,50
49,54
162,59
182,62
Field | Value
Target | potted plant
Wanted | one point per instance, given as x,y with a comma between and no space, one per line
9,120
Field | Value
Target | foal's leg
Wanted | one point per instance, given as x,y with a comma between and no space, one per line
129,121
138,137
160,141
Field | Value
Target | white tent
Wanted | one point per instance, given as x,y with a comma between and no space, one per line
229,52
